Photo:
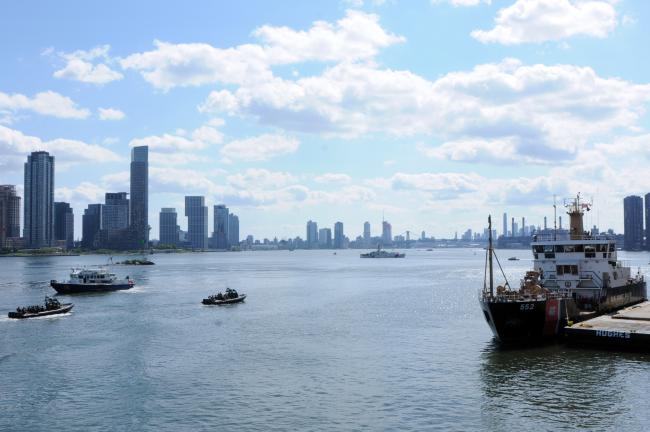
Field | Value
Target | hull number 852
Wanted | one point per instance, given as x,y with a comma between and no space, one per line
527,306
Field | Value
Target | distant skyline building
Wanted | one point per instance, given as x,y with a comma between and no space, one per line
220,227
197,221
115,212
39,200
139,210
633,223
91,225
325,238
64,223
9,214
647,221
366,232
339,236
168,227
233,229
513,228
505,225
386,232
312,234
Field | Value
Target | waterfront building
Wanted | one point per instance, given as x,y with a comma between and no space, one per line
386,232
513,228
139,210
168,227
91,226
233,229
312,235
325,238
633,223
339,237
39,200
220,225
9,214
197,221
505,224
115,212
64,224
366,232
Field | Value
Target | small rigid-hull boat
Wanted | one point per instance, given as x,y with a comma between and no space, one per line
52,307
231,296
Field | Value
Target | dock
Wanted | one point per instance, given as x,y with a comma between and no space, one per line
627,328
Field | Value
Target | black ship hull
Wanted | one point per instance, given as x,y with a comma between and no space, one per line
67,288
210,302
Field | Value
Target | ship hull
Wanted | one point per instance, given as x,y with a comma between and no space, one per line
624,296
66,288
515,321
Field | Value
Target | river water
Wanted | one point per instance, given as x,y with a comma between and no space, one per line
323,342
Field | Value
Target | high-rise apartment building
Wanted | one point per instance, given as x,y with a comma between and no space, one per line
505,225
39,200
220,231
64,224
197,221
139,211
91,225
386,232
366,232
325,238
633,223
233,230
168,227
9,214
647,221
339,237
312,235
115,211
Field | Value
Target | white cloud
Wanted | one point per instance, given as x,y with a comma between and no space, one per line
260,178
200,139
110,114
259,148
339,178
45,103
15,146
356,36
79,66
457,3
535,21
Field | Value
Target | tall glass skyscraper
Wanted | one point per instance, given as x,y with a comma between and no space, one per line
169,229
64,223
140,195
312,235
91,225
220,233
338,235
39,200
9,213
233,230
197,221
633,223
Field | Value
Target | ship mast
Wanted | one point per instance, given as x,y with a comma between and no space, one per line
575,210
490,252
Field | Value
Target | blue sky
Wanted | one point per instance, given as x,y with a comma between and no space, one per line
435,113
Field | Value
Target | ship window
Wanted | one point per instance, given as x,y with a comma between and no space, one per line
536,256
560,270
590,252
612,247
579,248
559,248
574,269
548,248
602,247
538,249
550,255
569,248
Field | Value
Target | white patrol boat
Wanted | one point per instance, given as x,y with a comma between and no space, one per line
574,277
91,280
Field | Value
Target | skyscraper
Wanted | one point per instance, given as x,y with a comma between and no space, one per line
513,229
168,227
39,200
115,212
325,238
220,232
91,225
64,223
338,235
366,232
197,221
233,230
9,214
647,221
386,233
633,223
312,235
505,225
139,215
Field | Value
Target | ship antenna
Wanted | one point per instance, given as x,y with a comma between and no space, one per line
490,252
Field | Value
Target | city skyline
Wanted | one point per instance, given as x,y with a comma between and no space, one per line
286,115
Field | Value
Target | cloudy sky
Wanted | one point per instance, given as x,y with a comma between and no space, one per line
434,113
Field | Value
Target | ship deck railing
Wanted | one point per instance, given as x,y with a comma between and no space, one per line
514,296
567,236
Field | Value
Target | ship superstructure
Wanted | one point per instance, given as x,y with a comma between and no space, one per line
575,276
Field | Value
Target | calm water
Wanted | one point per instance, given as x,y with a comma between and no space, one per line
323,342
